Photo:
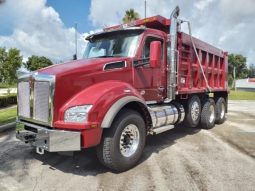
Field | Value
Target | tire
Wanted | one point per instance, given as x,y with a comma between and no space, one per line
208,114
220,110
113,151
192,111
180,111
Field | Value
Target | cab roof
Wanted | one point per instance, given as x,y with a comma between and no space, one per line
156,22
141,29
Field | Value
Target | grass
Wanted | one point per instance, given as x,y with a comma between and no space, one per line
241,95
4,85
8,115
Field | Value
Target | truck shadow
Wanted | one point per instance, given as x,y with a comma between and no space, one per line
85,162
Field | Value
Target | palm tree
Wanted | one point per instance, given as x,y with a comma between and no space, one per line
130,15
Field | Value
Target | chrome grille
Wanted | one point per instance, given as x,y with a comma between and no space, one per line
24,99
41,101
35,98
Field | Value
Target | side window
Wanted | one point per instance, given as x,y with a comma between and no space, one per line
146,48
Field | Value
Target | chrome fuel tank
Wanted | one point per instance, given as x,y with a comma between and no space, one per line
166,114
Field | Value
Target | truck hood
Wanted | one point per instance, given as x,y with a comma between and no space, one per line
84,66
75,76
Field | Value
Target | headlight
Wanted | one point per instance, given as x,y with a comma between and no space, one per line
77,114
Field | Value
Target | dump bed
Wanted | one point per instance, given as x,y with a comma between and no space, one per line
189,75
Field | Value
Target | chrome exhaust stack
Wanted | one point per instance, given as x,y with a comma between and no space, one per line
172,57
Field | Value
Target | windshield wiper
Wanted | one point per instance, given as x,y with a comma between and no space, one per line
106,56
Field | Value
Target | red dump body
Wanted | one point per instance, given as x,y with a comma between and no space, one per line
214,63
189,76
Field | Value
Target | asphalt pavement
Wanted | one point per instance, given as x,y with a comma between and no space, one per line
222,158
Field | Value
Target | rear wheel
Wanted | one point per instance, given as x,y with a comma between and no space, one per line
208,114
192,111
220,110
122,145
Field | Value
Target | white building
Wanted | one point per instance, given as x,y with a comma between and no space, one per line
246,84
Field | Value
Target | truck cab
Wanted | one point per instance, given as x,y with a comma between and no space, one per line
135,79
132,47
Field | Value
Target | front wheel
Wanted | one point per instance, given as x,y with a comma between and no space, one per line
122,145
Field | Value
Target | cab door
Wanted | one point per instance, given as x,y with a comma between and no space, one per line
147,80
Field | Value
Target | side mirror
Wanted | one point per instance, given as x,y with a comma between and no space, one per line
155,54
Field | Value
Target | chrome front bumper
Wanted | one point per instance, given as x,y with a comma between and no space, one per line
48,139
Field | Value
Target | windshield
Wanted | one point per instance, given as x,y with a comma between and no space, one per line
113,44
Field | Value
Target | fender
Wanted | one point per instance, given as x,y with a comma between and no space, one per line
116,107
107,98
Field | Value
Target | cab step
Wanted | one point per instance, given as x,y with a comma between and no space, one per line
162,129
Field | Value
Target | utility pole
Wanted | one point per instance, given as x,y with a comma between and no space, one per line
144,8
75,38
234,74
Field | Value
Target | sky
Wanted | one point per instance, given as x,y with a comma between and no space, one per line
46,27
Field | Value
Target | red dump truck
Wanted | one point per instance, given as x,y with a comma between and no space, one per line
136,79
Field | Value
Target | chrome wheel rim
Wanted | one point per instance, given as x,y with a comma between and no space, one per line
194,111
212,113
222,111
129,140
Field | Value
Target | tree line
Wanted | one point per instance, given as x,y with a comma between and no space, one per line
238,69
11,60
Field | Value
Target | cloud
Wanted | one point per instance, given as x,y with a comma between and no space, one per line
202,4
38,29
226,24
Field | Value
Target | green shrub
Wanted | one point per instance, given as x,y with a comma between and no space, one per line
5,85
7,100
